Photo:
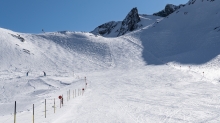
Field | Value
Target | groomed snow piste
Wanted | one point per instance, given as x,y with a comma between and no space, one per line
165,72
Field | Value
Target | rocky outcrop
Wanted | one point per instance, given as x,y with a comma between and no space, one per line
119,28
169,9
130,22
105,28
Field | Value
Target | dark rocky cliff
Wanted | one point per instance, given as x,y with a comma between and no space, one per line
169,9
119,28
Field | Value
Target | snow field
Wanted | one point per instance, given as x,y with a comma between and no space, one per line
150,94
54,86
135,78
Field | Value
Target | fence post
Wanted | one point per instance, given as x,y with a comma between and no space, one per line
54,105
15,113
67,96
62,100
33,113
45,108
83,91
85,83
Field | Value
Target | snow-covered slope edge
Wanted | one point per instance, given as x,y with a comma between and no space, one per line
61,51
188,36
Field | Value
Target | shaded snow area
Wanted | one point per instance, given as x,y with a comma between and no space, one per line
166,71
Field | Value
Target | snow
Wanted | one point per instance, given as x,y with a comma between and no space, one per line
165,72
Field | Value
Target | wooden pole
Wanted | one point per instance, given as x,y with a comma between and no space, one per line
33,113
85,82
54,105
45,108
69,94
15,113
62,99
60,102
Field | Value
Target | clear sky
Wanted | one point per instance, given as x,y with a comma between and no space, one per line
31,16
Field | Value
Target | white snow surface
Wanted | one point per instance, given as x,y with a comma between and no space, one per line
166,72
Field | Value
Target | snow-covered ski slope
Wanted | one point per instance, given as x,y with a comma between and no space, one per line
166,72
79,51
189,35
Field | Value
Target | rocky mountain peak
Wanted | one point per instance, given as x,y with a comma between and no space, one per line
169,9
119,28
130,22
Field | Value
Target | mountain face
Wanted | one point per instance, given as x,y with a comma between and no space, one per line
107,27
130,22
113,29
169,9
189,36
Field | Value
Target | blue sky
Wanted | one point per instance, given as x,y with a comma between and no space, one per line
31,16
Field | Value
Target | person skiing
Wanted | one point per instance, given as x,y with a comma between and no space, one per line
27,73
44,73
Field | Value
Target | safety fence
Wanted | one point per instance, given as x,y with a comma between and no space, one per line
70,93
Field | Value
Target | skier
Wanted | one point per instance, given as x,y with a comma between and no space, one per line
27,73
44,73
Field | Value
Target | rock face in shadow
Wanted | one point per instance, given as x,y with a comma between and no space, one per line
169,9
114,29
130,22
188,36
105,28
